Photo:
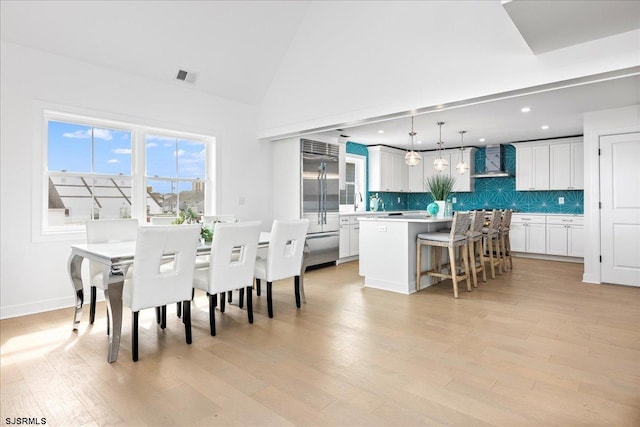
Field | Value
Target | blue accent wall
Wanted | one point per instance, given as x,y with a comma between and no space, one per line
499,193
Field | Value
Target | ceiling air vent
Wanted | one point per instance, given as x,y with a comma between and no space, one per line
186,76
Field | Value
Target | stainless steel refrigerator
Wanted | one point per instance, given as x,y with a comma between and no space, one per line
320,200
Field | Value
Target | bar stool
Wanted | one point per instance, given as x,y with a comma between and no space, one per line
491,237
456,238
505,242
474,242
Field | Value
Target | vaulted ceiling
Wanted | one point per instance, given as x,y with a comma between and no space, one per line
326,65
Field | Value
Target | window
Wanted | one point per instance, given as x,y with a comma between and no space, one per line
175,175
352,197
91,172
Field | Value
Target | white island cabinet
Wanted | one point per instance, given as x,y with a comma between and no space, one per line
388,250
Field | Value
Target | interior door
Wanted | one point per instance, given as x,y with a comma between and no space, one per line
620,212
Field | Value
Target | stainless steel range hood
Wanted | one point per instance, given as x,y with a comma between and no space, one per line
494,167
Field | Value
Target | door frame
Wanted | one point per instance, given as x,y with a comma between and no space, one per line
598,124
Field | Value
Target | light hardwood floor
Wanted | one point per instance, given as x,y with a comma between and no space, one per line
535,346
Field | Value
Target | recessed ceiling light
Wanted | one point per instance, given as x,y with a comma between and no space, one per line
525,109
419,142
481,140
380,131
545,127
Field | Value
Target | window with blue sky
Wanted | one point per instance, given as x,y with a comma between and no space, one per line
90,171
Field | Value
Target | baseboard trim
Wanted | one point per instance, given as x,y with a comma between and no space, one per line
36,307
549,257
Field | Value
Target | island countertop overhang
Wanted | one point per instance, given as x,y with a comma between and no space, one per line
407,218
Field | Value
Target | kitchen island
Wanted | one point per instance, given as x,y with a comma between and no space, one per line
388,250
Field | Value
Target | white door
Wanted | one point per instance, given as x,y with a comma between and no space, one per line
620,213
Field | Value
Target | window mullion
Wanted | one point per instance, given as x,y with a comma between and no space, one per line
139,190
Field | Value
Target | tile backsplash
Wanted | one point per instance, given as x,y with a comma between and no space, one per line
499,193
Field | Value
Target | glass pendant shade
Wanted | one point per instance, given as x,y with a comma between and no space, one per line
412,158
440,164
462,167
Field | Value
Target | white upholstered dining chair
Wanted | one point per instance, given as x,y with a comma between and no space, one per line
284,257
104,231
231,264
149,286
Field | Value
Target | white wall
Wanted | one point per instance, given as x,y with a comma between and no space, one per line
596,125
338,70
33,275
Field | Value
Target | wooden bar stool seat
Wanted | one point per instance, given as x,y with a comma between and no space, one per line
476,250
505,242
455,239
491,236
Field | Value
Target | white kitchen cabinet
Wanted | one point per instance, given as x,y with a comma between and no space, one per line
528,233
344,237
349,236
415,178
387,170
463,182
565,236
428,170
354,236
566,165
532,166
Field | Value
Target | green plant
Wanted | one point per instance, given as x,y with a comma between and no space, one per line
440,186
190,217
186,217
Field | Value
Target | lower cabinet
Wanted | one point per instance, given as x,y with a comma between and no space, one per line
349,236
527,234
565,236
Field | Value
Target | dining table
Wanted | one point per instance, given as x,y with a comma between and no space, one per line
116,257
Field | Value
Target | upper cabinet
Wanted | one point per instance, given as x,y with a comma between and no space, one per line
463,182
566,165
387,170
555,164
416,178
532,167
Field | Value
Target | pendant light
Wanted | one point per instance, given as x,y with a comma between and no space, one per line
440,164
462,167
412,158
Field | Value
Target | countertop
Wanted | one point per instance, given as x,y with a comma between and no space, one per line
409,213
371,213
407,218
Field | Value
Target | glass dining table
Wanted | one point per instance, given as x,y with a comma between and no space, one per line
114,255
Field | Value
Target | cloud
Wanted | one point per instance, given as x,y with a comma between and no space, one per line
160,138
102,134
86,134
113,161
121,151
181,153
151,144
79,134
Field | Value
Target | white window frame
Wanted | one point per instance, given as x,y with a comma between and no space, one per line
360,180
41,232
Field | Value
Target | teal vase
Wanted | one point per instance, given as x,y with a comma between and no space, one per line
433,208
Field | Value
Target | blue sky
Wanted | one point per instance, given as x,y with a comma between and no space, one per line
70,148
